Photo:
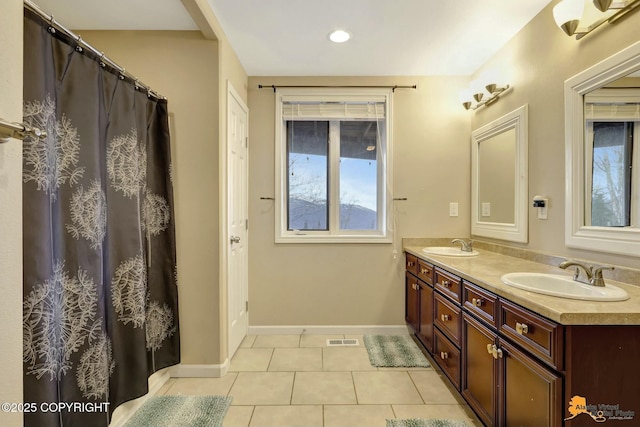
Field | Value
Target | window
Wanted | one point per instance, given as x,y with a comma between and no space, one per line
332,166
612,149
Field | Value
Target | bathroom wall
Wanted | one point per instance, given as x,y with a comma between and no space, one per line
11,213
359,284
537,62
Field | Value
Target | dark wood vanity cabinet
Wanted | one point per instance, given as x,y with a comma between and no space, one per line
480,374
447,321
412,302
503,384
530,395
515,367
419,300
425,332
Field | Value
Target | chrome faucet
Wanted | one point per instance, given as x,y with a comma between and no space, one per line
466,246
597,279
594,274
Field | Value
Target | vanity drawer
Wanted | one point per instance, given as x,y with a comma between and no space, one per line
482,303
425,272
447,356
448,284
411,263
541,337
447,316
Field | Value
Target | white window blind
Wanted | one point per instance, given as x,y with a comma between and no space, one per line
333,110
612,104
617,112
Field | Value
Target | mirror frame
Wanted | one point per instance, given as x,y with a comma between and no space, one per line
518,231
625,241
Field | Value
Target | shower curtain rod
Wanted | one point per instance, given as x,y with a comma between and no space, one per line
393,87
19,131
55,25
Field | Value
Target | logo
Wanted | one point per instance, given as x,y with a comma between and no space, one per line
600,412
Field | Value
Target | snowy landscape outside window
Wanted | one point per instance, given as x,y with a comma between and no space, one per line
333,166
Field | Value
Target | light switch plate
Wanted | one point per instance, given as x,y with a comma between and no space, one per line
453,209
486,209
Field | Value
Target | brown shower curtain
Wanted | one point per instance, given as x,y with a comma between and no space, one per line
100,296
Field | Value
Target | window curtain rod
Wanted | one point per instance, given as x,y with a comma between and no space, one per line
19,130
57,26
393,87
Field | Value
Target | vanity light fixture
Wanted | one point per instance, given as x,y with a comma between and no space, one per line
339,36
568,14
483,91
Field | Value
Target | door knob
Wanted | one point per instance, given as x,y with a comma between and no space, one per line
235,239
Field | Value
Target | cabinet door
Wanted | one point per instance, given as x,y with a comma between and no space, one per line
531,394
479,369
412,302
426,316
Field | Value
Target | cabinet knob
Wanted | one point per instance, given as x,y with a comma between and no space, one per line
444,355
445,317
410,263
415,287
477,301
424,271
522,328
446,283
494,351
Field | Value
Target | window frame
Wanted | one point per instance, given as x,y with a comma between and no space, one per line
383,234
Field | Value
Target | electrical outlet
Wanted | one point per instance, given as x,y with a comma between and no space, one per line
486,209
453,209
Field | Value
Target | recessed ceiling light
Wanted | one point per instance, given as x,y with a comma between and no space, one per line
339,36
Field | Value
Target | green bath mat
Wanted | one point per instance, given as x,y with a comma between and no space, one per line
419,422
394,351
181,411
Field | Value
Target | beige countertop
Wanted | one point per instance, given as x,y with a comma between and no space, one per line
486,269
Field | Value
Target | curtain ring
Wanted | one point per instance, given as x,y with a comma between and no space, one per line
136,86
102,63
51,28
78,47
121,75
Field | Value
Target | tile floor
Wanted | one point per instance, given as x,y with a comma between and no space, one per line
296,380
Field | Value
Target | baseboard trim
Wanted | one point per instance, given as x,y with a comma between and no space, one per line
200,371
123,412
330,330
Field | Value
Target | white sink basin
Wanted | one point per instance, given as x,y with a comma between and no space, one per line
563,287
448,251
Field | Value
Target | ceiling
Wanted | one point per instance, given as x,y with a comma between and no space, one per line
290,37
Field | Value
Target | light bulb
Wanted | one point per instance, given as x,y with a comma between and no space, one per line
339,36
567,15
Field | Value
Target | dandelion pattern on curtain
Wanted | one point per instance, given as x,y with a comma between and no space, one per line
100,294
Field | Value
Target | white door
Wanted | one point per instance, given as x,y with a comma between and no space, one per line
237,218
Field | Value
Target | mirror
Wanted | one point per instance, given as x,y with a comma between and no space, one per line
499,178
602,125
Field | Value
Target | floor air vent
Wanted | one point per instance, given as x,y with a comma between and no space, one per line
342,342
